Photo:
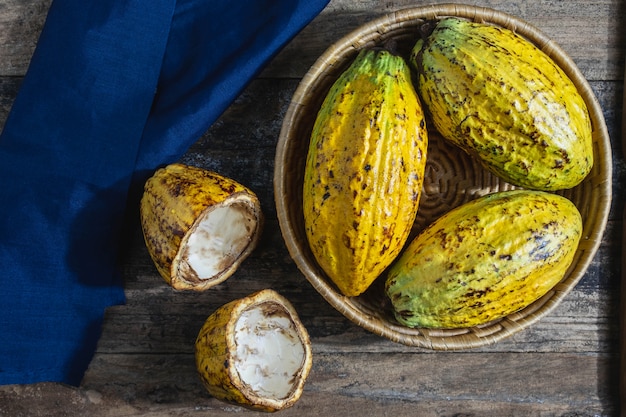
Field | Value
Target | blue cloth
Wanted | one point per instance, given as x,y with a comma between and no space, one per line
115,89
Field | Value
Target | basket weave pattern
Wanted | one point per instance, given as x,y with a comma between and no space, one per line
452,178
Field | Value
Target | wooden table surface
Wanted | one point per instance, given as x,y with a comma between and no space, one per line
564,365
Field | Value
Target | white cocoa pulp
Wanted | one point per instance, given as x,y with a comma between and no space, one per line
270,353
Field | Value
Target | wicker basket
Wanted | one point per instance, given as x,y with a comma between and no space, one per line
452,178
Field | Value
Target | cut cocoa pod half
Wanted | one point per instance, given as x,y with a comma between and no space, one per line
254,352
198,225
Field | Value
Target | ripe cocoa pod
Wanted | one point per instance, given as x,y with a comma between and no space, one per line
198,225
500,98
484,260
254,352
364,170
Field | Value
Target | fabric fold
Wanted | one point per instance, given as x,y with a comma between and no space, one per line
206,66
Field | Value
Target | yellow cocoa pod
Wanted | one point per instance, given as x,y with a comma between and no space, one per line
485,259
500,98
254,352
198,225
364,170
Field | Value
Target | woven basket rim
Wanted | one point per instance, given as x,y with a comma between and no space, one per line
599,204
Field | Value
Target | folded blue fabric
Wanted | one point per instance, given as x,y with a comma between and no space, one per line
115,89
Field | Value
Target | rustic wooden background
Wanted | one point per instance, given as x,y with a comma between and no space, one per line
565,365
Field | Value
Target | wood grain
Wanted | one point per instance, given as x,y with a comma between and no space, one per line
565,365
622,311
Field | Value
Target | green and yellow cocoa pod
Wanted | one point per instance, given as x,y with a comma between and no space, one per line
500,98
364,170
198,225
254,352
484,260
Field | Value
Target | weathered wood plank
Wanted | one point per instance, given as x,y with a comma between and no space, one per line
393,384
572,327
578,26
21,22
